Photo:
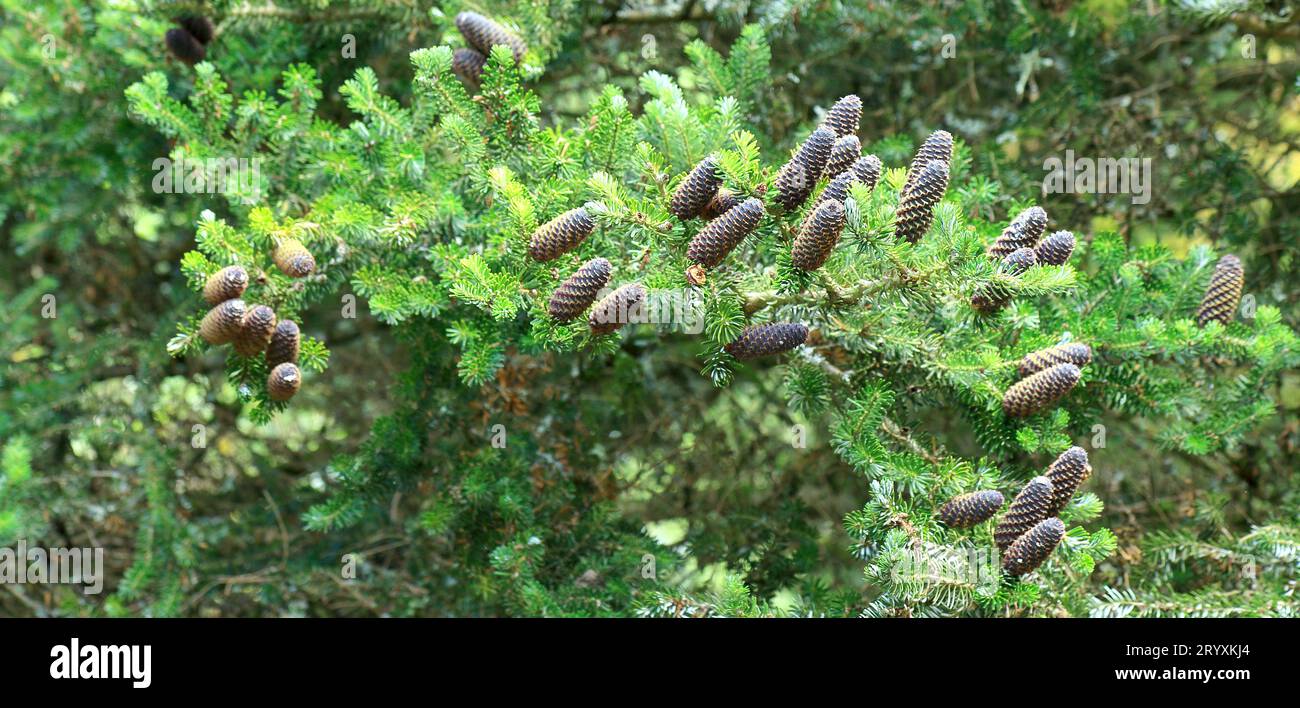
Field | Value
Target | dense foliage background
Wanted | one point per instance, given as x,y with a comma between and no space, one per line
650,489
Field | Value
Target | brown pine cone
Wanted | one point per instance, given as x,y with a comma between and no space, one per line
799,176
994,296
621,307
283,381
938,146
1040,390
865,170
721,203
578,292
820,232
1022,232
1075,353
1031,549
221,324
199,27
844,153
1068,472
720,236
1055,249
844,116
485,34
293,259
285,343
184,46
765,339
1224,294
697,190
968,510
255,331
468,64
916,209
225,284
561,235
1031,505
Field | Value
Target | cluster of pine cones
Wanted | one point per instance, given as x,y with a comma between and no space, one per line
188,41
254,329
481,33
1030,530
1018,249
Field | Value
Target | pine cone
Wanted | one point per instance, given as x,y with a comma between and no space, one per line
561,235
721,203
916,209
1073,352
285,343
621,307
967,510
1040,390
1055,249
1031,505
255,331
820,232
1224,294
1022,232
1067,473
468,64
936,147
799,176
221,324
485,34
199,28
865,170
293,259
225,284
1030,550
697,190
283,381
844,153
844,116
724,233
765,339
184,46
993,296
578,292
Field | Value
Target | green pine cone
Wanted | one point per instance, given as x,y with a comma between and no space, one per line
561,235
286,341
820,232
697,190
968,510
799,176
720,236
916,209
938,146
1031,505
283,381
221,324
1055,249
844,116
184,46
720,204
1072,352
255,331
1224,294
766,339
468,64
1030,550
844,153
578,292
994,296
225,284
1068,472
1022,232
484,34
617,309
1040,390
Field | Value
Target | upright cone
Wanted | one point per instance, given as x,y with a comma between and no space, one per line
799,176
561,235
938,146
468,64
576,294
817,239
916,210
971,509
1030,506
255,331
1067,472
843,153
697,190
1055,249
1224,293
993,296
199,27
225,284
1033,547
865,170
484,34
844,116
1040,390
767,339
720,236
1022,232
